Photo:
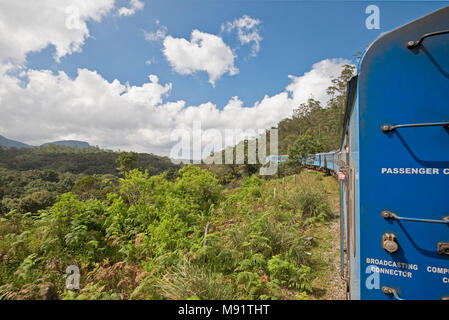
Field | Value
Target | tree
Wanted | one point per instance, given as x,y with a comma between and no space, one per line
303,146
306,108
87,187
199,186
37,201
316,120
49,175
126,161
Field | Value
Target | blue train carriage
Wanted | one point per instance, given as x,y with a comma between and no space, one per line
329,162
282,158
317,160
395,195
338,160
276,158
322,161
309,160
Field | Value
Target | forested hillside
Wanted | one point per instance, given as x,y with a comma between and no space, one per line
8,143
76,160
139,227
32,179
321,122
313,128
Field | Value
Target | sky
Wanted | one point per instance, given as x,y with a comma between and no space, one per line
129,74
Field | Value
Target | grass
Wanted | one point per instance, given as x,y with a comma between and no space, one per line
287,218
268,239
325,251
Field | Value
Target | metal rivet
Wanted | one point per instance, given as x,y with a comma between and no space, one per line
386,214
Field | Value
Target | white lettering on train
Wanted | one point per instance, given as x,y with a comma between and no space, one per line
391,272
439,270
416,171
390,263
405,271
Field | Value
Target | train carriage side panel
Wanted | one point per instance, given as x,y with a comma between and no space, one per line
405,170
352,201
330,161
316,160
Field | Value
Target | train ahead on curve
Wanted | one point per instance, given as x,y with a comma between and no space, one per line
394,166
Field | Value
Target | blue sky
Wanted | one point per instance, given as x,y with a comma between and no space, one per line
94,83
296,34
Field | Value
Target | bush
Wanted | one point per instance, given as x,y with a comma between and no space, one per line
36,201
144,239
311,199
290,275
289,168
200,186
187,281
73,229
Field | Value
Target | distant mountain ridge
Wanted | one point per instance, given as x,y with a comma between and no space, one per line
8,143
70,143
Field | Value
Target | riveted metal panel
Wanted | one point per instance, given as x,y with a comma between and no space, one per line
405,170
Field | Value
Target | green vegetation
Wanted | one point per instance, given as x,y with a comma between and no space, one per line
303,146
146,240
312,128
323,123
32,190
31,179
87,161
139,227
126,161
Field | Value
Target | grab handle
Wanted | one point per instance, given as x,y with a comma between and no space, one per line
391,291
389,127
413,44
391,215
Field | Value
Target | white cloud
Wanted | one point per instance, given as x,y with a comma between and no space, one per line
204,52
157,35
315,82
136,5
38,106
33,25
247,31
140,118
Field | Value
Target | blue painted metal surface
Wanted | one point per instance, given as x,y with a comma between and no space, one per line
342,231
353,207
279,158
404,170
397,86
